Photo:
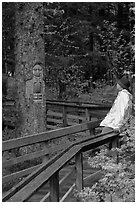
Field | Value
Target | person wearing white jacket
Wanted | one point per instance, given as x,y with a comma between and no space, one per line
121,108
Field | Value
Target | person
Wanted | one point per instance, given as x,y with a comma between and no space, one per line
121,108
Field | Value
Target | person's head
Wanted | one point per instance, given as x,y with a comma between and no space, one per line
123,83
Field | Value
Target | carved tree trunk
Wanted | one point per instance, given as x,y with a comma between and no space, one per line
29,51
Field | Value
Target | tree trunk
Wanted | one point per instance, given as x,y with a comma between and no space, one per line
29,69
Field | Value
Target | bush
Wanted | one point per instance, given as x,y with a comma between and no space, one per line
118,181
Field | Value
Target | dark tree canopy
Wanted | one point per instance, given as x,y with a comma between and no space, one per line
82,39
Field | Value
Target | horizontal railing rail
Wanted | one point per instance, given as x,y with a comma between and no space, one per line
83,105
72,101
49,135
12,102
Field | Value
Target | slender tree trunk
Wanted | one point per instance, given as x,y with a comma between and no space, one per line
29,51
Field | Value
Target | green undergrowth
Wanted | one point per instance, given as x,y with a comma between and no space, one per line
118,181
101,94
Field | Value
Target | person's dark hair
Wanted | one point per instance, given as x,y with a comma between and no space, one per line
124,83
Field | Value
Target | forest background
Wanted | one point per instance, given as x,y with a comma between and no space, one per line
85,48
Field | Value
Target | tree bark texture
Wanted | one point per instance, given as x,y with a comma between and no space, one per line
29,51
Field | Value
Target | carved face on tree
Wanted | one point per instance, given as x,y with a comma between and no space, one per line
37,71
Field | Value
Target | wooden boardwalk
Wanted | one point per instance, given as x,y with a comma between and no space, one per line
42,195
82,124
57,175
87,172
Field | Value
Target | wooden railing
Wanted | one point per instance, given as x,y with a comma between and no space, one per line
62,113
58,113
66,113
72,113
38,138
49,170
73,102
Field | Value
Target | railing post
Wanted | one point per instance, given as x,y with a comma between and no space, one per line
92,131
79,171
87,114
88,118
64,116
115,142
54,188
46,158
46,116
79,120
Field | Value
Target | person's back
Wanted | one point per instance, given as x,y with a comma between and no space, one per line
121,109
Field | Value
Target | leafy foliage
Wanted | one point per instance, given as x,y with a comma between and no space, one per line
77,42
118,182
87,44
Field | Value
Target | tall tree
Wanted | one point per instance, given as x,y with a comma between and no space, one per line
30,68
8,24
